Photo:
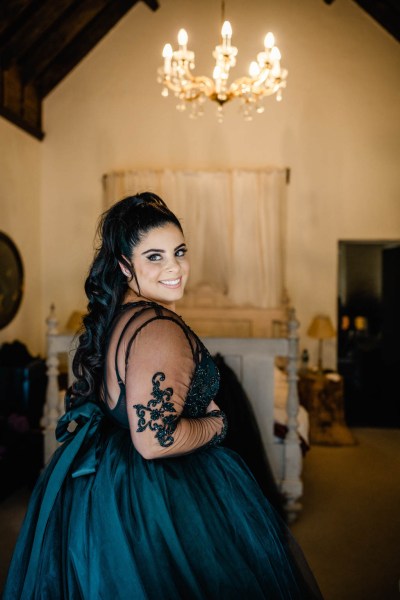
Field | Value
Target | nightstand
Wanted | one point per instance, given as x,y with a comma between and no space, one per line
321,394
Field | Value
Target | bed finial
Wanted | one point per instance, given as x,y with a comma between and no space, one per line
51,408
52,321
292,485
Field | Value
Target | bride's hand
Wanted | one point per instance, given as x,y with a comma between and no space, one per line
212,406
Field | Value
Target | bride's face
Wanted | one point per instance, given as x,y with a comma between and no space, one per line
161,265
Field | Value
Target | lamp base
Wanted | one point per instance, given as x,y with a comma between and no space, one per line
319,364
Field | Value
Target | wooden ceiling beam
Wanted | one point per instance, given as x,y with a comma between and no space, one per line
88,37
10,14
41,41
153,4
386,12
32,30
20,104
59,37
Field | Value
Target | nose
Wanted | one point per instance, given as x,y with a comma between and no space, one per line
173,265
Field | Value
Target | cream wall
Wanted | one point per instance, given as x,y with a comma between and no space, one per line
20,173
337,129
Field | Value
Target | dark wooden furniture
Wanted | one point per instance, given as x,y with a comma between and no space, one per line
22,394
321,393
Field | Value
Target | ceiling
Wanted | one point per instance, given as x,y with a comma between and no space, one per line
41,41
385,12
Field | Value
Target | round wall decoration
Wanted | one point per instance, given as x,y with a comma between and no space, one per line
11,279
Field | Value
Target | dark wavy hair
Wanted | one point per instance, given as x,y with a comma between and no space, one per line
120,229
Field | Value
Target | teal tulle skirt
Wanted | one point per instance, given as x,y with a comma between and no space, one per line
104,523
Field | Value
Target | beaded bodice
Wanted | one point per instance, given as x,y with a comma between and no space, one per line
203,387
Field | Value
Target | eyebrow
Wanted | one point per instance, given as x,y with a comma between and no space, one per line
162,251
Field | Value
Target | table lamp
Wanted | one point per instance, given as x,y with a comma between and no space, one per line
321,328
74,323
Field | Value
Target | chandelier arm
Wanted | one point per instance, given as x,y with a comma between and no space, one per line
195,86
266,77
247,85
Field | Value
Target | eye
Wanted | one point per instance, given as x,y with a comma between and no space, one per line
154,257
181,252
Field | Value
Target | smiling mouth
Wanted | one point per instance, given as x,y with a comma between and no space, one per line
172,283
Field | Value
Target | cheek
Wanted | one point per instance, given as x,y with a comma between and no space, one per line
186,267
147,270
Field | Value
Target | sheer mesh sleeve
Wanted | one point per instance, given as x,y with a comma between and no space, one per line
159,368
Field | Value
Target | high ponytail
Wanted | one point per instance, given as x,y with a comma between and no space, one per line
120,229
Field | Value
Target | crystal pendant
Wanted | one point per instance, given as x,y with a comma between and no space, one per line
247,108
194,112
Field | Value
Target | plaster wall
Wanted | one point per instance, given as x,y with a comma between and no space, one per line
20,174
337,129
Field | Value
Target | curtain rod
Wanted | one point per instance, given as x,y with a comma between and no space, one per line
287,170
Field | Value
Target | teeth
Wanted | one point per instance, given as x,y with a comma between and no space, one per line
171,282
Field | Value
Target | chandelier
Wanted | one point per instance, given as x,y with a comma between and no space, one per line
265,78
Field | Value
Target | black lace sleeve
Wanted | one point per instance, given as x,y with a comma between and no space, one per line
159,370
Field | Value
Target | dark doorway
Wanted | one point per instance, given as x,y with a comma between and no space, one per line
369,331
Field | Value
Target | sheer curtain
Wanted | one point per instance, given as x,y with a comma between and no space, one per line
234,222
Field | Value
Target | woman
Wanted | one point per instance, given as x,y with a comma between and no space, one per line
140,501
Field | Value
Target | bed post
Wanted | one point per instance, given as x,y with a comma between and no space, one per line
292,486
51,410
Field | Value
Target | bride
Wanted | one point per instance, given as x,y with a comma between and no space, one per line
140,501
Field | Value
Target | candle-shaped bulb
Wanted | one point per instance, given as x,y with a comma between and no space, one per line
254,69
182,37
216,72
269,40
226,30
167,51
167,55
275,54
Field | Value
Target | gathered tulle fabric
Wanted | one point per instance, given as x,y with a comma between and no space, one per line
192,527
105,523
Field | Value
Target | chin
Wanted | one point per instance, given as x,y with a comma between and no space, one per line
178,295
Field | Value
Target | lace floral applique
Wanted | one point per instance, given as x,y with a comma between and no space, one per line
155,412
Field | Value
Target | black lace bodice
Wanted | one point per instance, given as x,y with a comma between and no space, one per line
156,412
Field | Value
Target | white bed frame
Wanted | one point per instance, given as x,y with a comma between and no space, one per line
253,360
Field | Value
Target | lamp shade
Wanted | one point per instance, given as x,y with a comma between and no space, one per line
321,328
74,322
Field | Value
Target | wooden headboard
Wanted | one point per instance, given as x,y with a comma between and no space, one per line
210,314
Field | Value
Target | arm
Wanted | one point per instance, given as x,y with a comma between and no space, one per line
158,375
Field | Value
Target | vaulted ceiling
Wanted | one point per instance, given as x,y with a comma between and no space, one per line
41,41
